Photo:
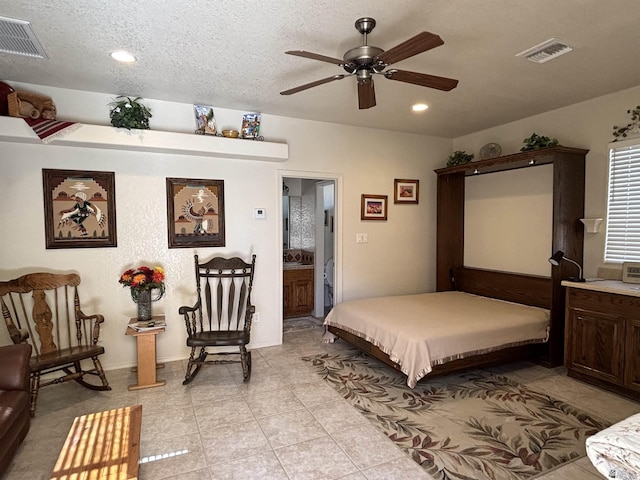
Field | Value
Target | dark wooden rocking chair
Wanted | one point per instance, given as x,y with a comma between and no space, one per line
222,314
48,305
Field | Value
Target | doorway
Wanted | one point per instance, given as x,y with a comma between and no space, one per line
309,226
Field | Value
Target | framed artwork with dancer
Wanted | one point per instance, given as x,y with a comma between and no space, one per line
195,212
80,208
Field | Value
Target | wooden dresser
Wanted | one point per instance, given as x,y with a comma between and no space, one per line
602,336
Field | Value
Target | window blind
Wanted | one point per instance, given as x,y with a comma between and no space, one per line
623,206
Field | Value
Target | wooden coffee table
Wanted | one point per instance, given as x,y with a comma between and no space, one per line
102,446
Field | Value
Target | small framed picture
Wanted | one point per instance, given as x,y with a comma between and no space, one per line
79,208
373,207
631,272
205,121
250,125
406,191
195,213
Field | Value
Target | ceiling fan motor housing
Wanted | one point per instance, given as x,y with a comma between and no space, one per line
361,56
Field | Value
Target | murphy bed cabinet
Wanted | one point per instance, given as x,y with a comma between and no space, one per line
603,335
567,230
298,292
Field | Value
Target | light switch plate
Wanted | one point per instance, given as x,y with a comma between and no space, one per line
259,213
362,238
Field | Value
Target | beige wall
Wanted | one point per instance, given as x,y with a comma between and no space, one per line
586,125
399,258
400,255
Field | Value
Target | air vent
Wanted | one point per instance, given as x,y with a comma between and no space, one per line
17,37
546,51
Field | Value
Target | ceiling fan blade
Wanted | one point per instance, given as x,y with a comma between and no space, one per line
422,79
315,56
312,84
420,43
366,93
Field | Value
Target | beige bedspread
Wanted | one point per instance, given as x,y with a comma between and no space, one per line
419,331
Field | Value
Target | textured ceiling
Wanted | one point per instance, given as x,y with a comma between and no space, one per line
230,54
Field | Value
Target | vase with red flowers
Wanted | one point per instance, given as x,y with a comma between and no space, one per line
146,285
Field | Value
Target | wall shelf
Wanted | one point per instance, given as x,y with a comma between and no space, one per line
106,137
541,156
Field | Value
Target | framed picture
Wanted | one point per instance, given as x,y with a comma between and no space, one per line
373,207
205,121
250,125
79,208
195,212
406,191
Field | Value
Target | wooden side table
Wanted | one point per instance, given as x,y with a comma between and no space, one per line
102,445
147,364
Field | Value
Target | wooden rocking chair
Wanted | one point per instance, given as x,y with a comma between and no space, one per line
66,336
222,314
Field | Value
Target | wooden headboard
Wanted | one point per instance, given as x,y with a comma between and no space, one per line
531,290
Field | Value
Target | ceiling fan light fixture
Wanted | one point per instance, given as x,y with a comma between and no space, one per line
419,107
123,56
546,51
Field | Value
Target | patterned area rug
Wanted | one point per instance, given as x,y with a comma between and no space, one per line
301,323
469,426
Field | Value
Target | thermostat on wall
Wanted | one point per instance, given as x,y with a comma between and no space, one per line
259,213
631,272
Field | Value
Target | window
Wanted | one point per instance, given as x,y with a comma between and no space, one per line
623,206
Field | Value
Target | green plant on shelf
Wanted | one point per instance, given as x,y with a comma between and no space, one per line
536,141
129,113
459,157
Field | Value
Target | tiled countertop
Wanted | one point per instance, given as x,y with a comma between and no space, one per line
609,286
295,266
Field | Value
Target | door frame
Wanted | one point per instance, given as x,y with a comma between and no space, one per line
320,260
337,229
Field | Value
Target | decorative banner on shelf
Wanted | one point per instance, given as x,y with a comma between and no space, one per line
49,130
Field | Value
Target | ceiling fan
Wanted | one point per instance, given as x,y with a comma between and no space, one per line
366,60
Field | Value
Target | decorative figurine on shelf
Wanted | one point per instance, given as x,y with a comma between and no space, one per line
142,281
30,105
251,126
205,121
129,113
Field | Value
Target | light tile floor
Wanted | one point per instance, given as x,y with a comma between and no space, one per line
286,423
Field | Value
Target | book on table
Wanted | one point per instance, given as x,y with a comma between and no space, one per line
143,326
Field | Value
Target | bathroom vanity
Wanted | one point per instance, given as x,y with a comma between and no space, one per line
297,289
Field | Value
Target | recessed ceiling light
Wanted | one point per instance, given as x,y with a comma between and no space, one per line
123,56
419,107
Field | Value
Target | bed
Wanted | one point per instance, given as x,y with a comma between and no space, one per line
543,292
489,317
